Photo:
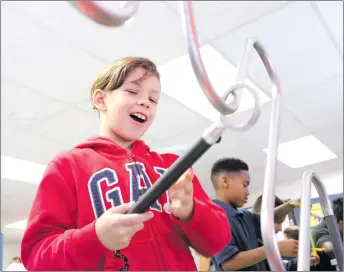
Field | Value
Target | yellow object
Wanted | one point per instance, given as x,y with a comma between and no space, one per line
315,251
315,212
295,204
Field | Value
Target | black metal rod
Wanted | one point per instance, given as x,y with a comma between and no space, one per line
170,177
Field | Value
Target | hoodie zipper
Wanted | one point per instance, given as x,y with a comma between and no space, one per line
132,157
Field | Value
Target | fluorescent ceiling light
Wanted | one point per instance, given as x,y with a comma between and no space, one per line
303,151
21,170
179,82
17,225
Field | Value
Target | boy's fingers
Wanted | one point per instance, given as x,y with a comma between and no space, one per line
133,219
122,209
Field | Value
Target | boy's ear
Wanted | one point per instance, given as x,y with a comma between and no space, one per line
98,100
225,182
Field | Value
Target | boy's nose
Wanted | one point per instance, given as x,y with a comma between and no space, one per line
144,103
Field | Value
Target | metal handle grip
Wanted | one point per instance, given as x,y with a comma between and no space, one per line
170,177
100,15
308,178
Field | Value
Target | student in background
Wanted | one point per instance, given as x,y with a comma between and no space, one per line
231,181
321,237
16,265
293,236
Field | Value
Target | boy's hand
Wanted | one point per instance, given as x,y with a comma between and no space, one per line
115,228
314,261
296,203
288,248
181,196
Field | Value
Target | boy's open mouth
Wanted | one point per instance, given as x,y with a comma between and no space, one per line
138,117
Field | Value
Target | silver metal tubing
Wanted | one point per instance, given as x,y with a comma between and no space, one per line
242,71
197,62
308,178
102,16
267,214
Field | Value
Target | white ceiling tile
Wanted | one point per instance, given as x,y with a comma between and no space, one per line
37,58
154,27
295,39
23,108
283,174
234,146
29,146
173,119
226,15
258,134
71,126
332,13
331,135
318,105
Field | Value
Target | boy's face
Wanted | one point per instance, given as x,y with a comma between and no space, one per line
237,189
130,110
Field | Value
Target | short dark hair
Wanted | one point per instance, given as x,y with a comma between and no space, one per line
337,206
227,165
258,203
292,232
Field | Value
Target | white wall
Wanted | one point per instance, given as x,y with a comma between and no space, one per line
333,182
10,251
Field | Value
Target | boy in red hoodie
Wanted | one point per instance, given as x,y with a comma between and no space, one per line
78,218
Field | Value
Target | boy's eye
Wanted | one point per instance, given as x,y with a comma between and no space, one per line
153,100
132,91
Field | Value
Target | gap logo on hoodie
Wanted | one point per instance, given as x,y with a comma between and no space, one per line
139,182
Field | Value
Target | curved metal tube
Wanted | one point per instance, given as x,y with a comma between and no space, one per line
93,11
218,102
267,214
331,222
226,119
197,62
242,70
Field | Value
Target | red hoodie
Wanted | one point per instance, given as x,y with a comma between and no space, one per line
80,184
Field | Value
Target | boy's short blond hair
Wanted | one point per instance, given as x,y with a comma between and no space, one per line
113,76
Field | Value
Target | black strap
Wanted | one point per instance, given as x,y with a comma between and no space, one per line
125,259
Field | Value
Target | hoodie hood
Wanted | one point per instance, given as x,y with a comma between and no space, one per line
106,145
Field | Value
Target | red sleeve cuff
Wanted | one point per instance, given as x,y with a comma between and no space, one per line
195,219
